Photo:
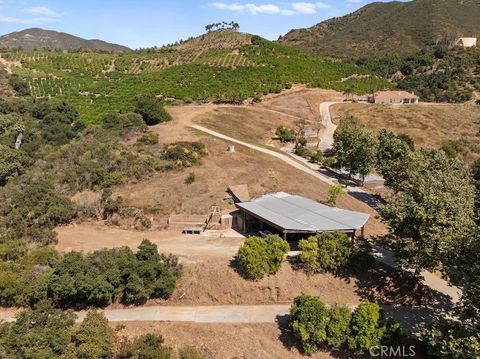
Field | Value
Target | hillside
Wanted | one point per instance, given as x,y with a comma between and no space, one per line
30,39
201,69
401,27
220,39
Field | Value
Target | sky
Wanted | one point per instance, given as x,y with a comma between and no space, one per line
148,23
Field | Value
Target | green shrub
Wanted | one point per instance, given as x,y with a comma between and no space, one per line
42,332
151,109
149,139
260,256
185,154
94,339
451,340
325,252
19,85
338,325
366,330
334,192
148,346
285,134
113,275
190,178
308,320
124,123
13,163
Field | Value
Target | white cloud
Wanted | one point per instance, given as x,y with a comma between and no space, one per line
42,11
30,21
263,9
295,8
38,15
305,8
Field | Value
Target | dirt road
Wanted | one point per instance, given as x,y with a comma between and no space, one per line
326,136
280,156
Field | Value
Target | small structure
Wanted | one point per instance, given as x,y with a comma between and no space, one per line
231,149
394,97
291,214
239,193
466,42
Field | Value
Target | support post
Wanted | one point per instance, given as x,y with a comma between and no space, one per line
244,222
363,232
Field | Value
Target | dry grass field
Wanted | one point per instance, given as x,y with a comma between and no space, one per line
245,341
429,125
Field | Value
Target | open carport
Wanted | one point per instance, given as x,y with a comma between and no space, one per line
296,215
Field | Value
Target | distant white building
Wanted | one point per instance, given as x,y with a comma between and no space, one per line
467,42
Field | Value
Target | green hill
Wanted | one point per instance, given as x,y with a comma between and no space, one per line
400,27
201,69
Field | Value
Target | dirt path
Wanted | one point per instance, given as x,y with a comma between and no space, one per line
326,136
280,156
7,65
409,317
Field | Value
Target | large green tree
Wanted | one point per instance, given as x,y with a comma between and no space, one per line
151,109
94,339
395,160
355,147
433,211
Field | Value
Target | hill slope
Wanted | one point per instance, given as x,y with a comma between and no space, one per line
30,39
201,69
390,27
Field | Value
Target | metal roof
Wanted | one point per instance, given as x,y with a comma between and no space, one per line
301,214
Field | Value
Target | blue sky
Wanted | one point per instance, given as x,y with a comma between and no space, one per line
145,23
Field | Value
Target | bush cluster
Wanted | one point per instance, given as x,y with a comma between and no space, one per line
47,332
285,134
260,256
315,326
112,275
151,109
325,252
185,154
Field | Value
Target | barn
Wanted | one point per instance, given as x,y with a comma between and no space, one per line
293,216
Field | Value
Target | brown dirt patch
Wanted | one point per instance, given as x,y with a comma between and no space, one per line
216,282
300,101
227,340
429,125
89,237
252,125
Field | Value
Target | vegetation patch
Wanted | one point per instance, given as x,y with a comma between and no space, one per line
260,256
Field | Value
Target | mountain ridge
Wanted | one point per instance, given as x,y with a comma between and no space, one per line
38,38
379,28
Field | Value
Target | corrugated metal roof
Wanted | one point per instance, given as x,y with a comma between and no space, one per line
302,214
